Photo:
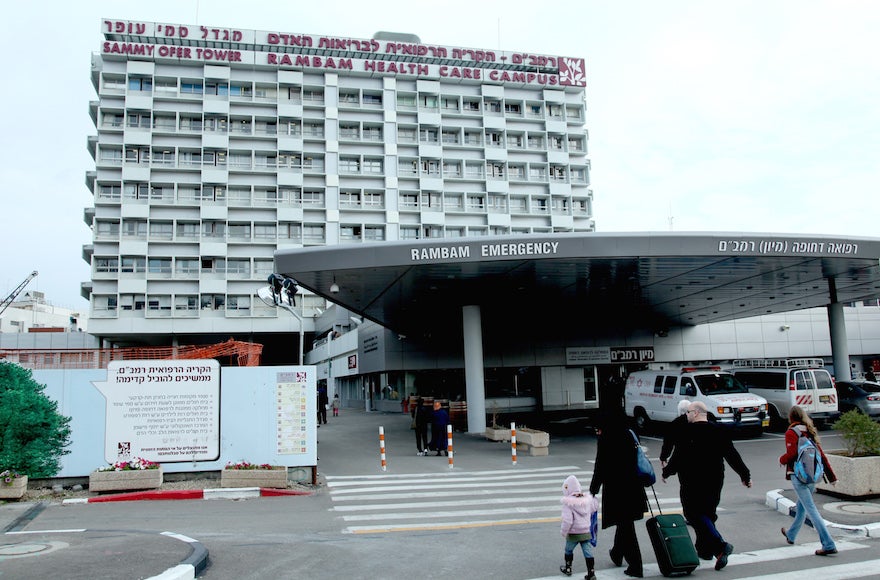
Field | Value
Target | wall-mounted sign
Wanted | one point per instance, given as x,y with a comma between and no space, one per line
598,355
161,410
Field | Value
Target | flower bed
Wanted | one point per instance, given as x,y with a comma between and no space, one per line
244,474
132,475
12,484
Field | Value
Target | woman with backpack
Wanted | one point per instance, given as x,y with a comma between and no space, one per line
800,433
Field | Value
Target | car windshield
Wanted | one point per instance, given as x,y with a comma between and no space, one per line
719,384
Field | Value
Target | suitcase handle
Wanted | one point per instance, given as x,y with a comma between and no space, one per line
657,501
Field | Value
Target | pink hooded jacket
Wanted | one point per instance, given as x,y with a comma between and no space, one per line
577,507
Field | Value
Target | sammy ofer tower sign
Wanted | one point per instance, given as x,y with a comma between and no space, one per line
275,48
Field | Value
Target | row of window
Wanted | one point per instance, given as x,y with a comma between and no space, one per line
180,303
345,98
168,158
348,131
349,198
209,230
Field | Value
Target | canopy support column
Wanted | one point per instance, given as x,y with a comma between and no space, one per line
472,331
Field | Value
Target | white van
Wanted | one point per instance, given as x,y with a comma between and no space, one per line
788,382
654,396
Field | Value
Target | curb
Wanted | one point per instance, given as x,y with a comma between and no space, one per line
778,502
221,493
191,566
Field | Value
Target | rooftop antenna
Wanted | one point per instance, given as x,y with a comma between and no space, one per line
499,33
670,218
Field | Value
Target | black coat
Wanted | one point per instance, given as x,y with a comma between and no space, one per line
699,462
623,497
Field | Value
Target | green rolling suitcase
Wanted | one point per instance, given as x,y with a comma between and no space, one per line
672,543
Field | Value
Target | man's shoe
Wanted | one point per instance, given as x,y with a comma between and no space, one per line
721,562
633,573
824,552
785,533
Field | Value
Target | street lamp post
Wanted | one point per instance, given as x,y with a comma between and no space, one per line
286,301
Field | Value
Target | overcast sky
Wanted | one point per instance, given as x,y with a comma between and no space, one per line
703,116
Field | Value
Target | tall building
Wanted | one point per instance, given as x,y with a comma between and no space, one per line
215,147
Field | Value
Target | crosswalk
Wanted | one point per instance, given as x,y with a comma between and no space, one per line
461,499
800,556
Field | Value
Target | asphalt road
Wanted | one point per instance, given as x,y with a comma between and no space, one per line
494,527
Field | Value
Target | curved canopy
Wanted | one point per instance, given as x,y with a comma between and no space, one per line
571,283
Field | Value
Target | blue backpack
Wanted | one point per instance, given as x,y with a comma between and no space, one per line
808,466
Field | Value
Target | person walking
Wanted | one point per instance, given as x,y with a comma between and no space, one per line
800,425
579,525
421,418
322,405
675,432
623,497
439,421
698,460
335,404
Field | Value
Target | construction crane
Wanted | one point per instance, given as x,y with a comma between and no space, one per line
14,294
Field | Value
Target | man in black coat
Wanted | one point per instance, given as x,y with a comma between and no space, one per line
698,460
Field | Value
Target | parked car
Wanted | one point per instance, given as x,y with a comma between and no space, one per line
861,395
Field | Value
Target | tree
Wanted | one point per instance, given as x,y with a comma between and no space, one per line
33,435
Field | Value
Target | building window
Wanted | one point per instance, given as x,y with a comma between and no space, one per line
265,231
143,84
409,200
133,265
373,166
161,230
349,199
106,265
159,265
375,199
349,165
186,266
213,302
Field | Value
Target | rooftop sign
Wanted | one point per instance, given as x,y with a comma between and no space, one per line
284,50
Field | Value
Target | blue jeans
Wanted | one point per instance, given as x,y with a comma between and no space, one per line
586,547
807,507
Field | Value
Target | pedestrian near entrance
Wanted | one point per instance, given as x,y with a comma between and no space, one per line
579,525
698,460
421,418
623,497
439,421
335,405
322,405
800,425
675,433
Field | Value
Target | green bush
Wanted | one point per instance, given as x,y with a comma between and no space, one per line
33,435
861,433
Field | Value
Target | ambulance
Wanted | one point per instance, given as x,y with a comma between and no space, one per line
653,396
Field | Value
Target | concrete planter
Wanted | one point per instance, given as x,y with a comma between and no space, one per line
275,477
14,490
856,476
498,434
131,480
532,437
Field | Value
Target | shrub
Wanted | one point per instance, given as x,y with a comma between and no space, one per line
861,433
33,435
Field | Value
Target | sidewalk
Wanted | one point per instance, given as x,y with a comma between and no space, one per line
846,516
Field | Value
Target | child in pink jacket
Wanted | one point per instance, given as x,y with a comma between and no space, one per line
579,521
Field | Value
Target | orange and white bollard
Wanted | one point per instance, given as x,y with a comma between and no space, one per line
382,446
513,442
449,444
